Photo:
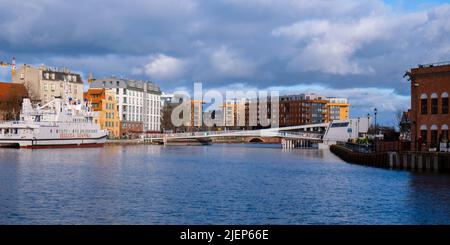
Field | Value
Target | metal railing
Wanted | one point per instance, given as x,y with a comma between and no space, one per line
360,148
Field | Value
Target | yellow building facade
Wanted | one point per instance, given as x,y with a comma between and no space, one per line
338,109
103,102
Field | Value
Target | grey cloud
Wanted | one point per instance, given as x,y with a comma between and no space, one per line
258,43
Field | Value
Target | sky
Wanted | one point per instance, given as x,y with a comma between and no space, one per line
355,49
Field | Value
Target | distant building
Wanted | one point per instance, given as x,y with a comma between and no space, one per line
45,83
139,103
168,102
405,126
311,109
196,121
337,109
11,96
104,102
302,109
430,87
231,112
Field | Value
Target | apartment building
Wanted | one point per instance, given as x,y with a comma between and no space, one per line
45,83
139,102
104,102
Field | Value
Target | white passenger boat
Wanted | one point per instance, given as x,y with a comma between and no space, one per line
58,124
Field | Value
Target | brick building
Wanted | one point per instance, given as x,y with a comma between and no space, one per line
11,96
430,86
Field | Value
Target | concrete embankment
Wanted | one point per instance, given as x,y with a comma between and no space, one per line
419,161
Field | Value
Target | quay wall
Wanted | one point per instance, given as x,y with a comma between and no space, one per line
415,161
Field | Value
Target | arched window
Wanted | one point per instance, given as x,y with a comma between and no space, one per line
434,103
423,133
434,136
424,104
444,97
444,133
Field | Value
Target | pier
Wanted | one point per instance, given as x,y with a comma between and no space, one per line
410,160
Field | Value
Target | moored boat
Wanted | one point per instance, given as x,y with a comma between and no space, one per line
58,124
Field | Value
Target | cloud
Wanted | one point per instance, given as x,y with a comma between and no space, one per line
330,46
341,44
230,64
165,67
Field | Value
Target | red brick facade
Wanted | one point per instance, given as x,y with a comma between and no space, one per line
11,96
430,118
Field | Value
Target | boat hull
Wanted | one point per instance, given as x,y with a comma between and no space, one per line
53,143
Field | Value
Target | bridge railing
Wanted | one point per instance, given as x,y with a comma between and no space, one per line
261,133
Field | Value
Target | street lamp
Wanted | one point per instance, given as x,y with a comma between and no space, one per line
375,111
368,124
358,126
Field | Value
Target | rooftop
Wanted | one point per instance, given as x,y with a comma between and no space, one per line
431,68
11,89
114,82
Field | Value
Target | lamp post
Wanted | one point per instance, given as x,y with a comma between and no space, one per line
368,124
375,111
358,127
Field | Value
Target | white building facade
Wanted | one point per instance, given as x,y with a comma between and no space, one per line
138,101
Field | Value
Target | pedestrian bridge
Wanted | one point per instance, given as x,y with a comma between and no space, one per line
313,132
327,133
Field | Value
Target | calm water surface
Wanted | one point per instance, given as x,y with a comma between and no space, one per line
220,184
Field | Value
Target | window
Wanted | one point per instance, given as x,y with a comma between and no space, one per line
434,106
444,103
423,134
53,87
423,104
444,133
434,136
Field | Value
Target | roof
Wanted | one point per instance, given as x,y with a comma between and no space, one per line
114,82
431,68
8,89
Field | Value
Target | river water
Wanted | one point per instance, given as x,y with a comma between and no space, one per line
219,184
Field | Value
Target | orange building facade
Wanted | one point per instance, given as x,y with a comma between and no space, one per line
103,101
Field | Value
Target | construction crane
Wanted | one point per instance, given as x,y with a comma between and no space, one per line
12,65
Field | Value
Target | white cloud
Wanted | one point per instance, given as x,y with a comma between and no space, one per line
230,64
165,67
330,46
